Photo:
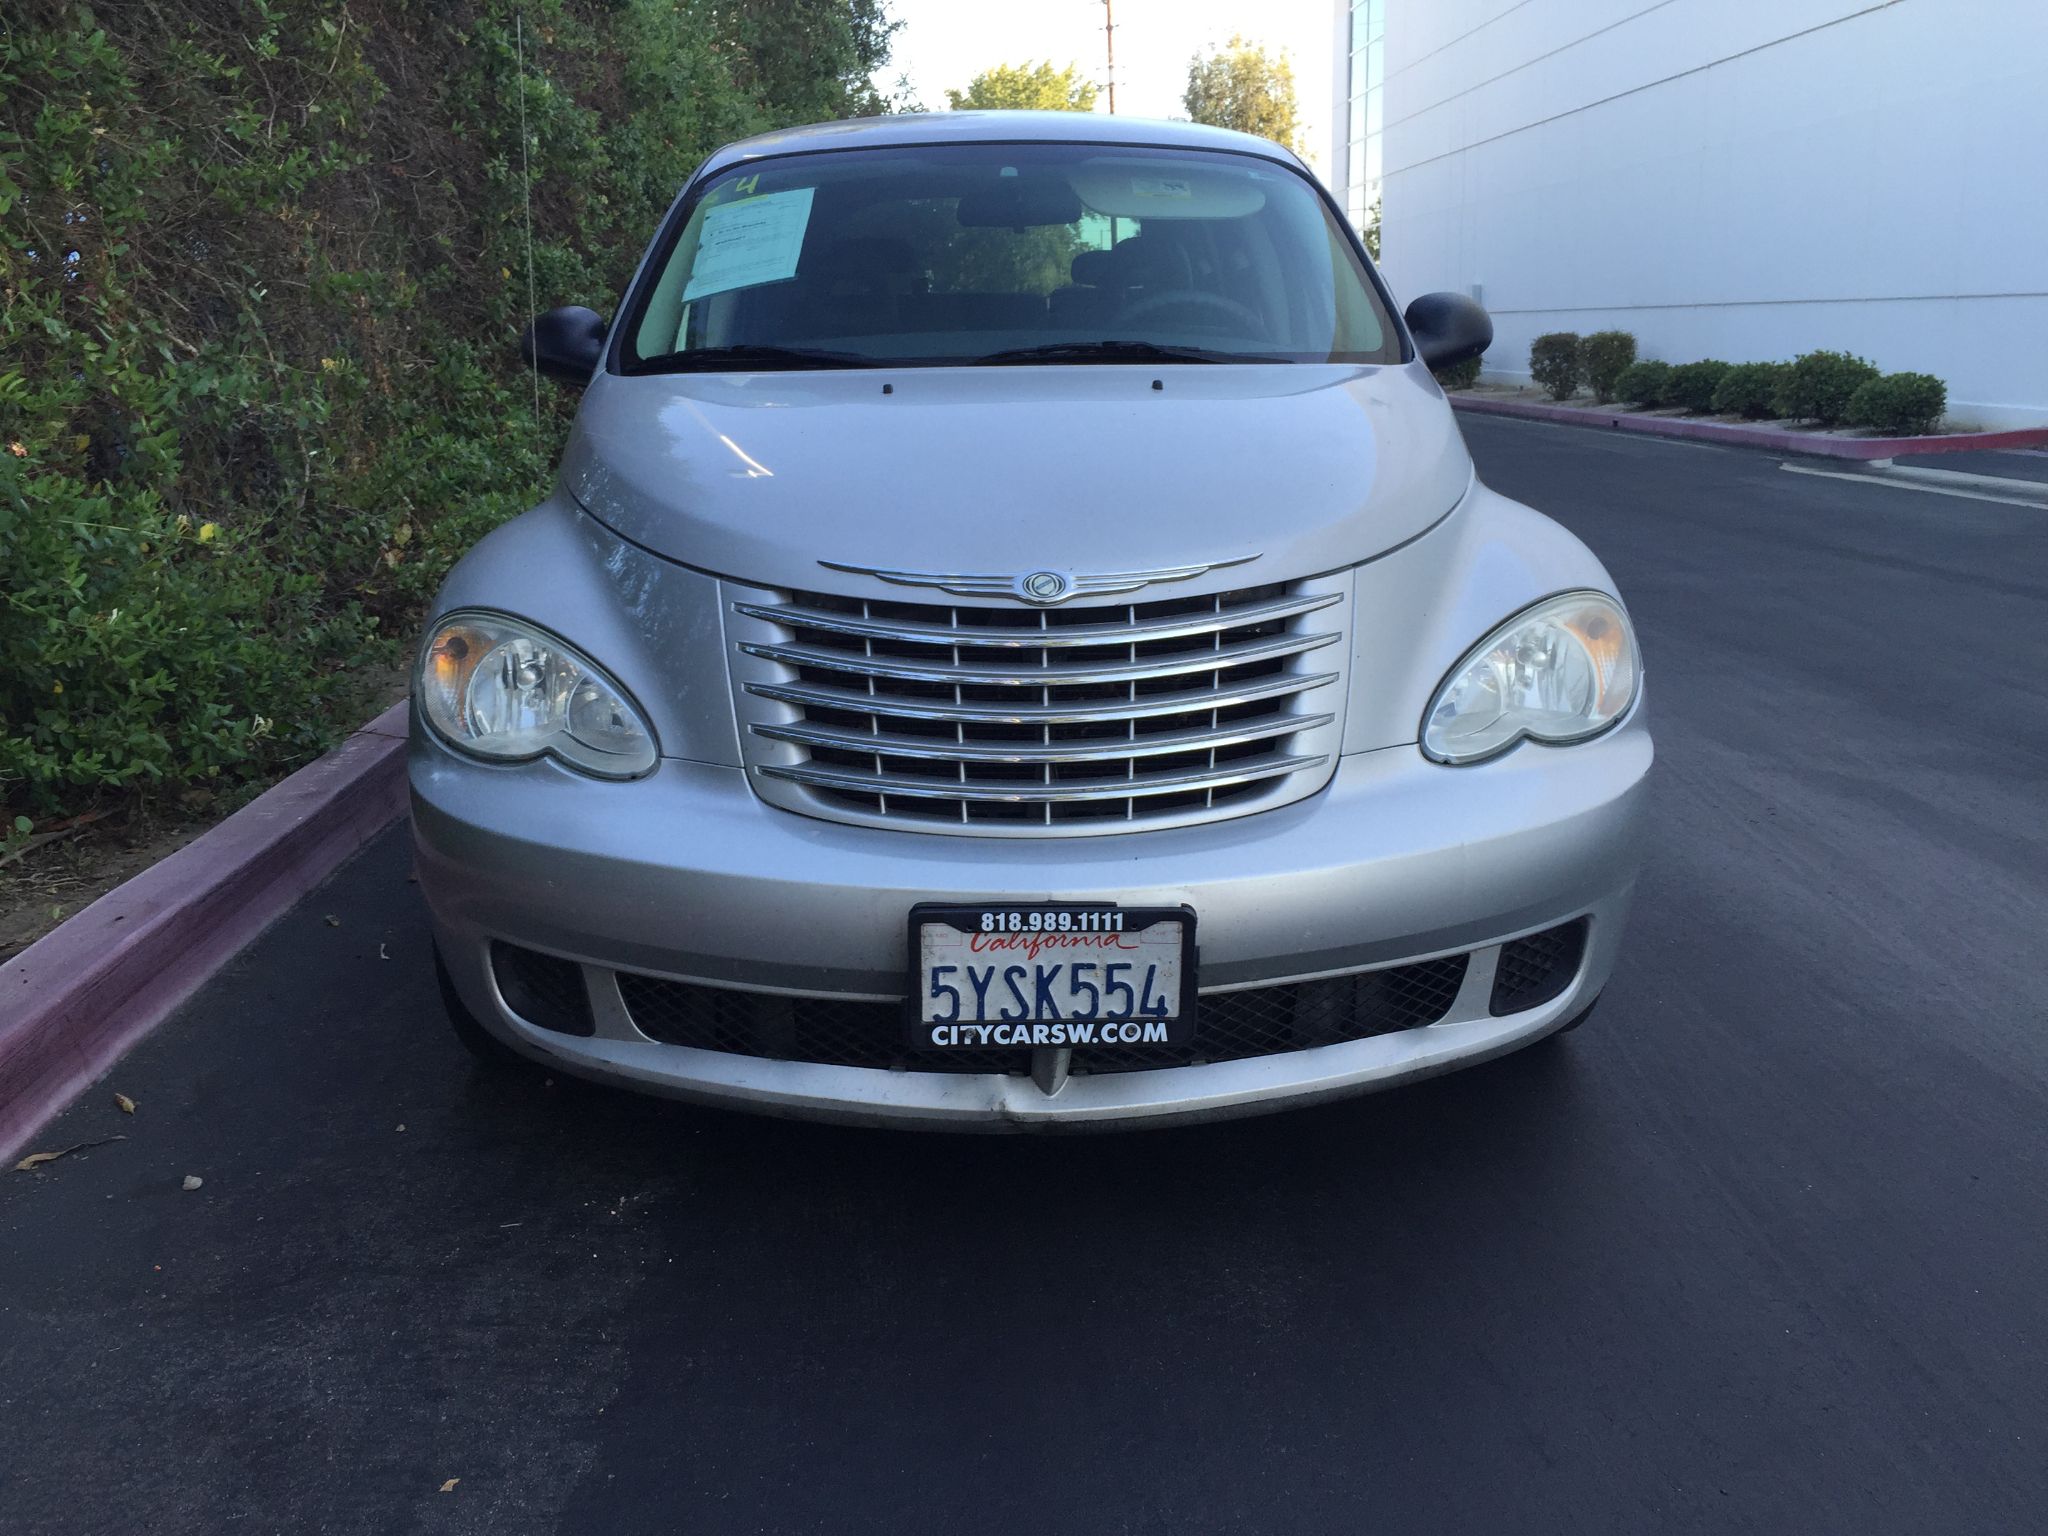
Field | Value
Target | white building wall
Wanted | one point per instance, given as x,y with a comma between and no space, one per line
1742,179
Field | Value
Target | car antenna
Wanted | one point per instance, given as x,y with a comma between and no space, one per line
526,190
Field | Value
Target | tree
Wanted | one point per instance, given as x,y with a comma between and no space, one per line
806,61
1246,88
1026,88
1371,233
267,536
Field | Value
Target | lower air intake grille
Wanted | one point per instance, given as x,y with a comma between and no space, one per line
1534,970
1231,1026
543,989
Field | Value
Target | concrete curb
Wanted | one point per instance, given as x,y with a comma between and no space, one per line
74,1001
1816,445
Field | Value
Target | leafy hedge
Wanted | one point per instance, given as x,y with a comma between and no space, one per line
1554,363
1644,383
1903,404
1817,386
1832,388
1749,389
1459,375
1692,385
261,264
1605,356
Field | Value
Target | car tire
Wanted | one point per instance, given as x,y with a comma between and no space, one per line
486,1047
1575,1020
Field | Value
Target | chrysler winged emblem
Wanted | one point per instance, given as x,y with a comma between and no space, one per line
1041,588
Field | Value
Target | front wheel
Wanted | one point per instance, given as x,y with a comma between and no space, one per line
486,1047
1575,1021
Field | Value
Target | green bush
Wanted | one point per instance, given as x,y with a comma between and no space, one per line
1459,375
261,270
1749,389
1692,385
1643,384
1605,356
1555,364
1900,404
1817,387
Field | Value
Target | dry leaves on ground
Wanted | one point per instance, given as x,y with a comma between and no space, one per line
37,1159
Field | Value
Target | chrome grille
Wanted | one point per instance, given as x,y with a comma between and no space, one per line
1008,719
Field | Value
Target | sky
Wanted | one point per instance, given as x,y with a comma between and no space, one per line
947,42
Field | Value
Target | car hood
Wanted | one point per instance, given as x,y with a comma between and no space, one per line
1080,469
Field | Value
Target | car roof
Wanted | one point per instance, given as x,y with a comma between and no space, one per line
906,128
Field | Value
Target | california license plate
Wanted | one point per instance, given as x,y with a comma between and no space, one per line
1058,975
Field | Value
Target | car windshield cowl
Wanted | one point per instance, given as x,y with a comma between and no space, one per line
1121,352
754,357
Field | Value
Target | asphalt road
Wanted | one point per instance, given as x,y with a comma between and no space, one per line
1762,1248
2018,464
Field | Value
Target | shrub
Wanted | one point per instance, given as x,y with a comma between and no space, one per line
1901,404
1818,385
1554,362
1459,375
1749,389
1692,385
1643,383
1605,355
260,289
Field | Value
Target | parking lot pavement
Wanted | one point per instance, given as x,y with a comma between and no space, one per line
1759,1249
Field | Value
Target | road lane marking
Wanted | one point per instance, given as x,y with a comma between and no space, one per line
1906,485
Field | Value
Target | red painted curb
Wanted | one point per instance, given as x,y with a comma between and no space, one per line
76,999
1812,444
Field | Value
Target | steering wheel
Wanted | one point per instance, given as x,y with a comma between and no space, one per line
1190,298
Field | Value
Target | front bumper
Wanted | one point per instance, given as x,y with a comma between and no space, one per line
687,875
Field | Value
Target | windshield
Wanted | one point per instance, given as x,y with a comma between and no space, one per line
1006,253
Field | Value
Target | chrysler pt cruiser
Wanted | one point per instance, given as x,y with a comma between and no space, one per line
1017,641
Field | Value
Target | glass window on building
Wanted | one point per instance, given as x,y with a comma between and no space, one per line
1365,91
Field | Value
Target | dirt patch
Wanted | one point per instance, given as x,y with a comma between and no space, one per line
42,885
50,883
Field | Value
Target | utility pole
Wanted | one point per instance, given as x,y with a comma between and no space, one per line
1109,38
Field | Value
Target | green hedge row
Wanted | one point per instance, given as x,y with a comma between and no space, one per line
1561,361
261,270
1831,388
1459,375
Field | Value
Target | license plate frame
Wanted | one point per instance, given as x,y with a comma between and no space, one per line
1106,920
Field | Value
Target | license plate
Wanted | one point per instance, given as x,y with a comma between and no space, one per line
1055,975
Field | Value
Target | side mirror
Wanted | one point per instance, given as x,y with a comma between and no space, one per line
565,344
1448,328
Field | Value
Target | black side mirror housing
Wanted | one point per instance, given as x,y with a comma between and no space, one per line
565,344
1448,328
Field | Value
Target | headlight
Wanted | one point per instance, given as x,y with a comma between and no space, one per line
502,689
1561,671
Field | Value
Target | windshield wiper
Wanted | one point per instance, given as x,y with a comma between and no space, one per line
1122,352
753,357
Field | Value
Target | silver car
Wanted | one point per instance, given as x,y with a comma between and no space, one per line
1017,642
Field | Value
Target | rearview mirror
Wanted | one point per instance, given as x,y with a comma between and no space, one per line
1020,202
1448,328
565,344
